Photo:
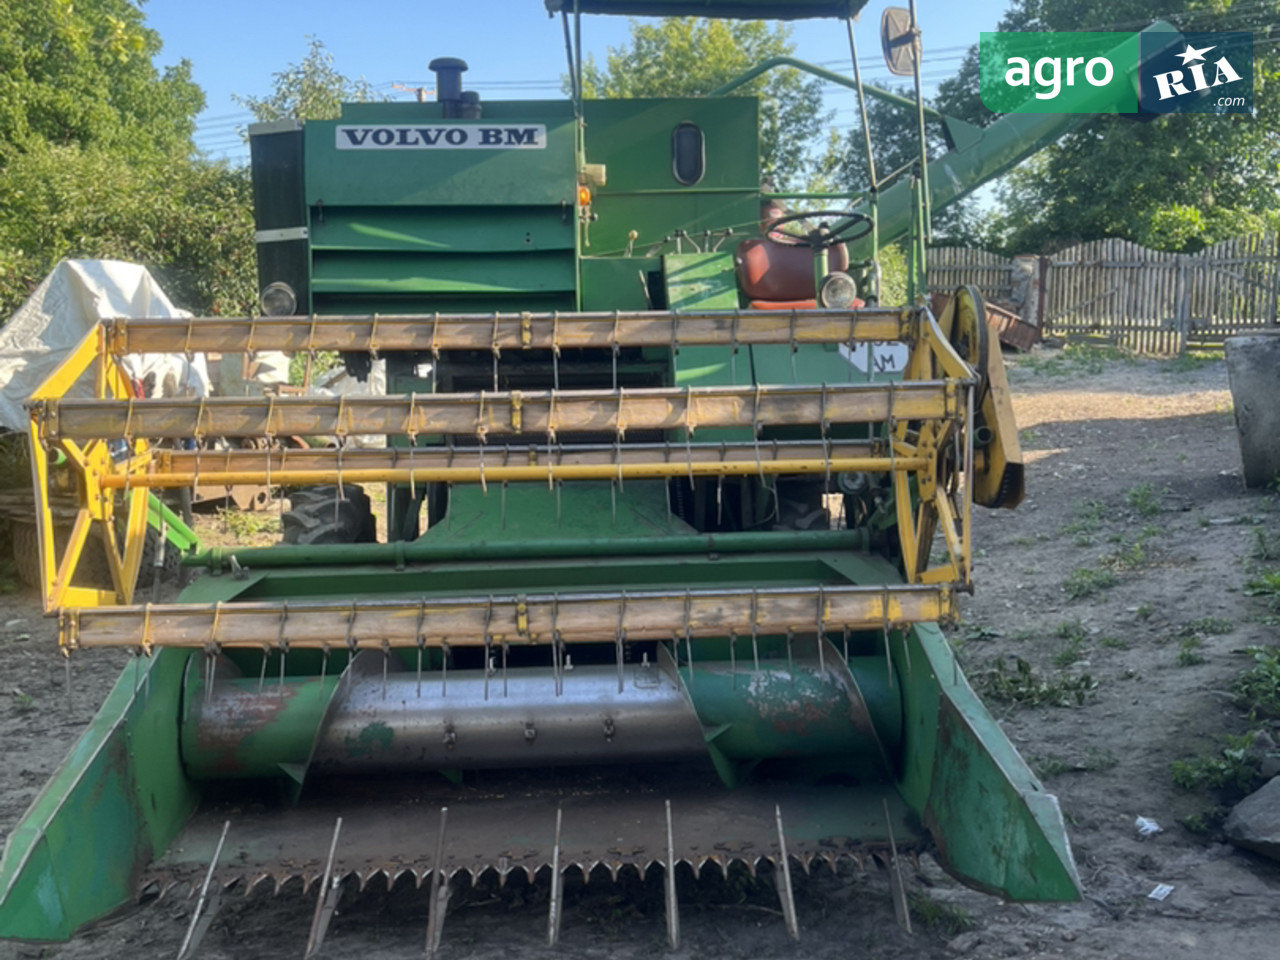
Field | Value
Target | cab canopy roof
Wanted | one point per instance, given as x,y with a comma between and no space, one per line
737,9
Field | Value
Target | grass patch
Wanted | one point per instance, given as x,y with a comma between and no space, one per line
1074,359
1258,691
1072,648
1026,686
1144,499
1086,581
1265,547
1233,769
1204,822
946,919
248,523
1190,361
1267,586
1207,627
1086,518
1052,765
1113,643
1144,612
1132,557
1188,652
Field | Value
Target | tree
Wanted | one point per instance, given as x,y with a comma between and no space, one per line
1176,182
96,158
686,57
188,221
310,90
82,74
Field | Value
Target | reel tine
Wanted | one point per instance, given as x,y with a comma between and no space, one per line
785,892
901,911
439,897
673,904
556,909
206,906
326,899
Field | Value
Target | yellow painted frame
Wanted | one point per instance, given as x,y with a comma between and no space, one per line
93,462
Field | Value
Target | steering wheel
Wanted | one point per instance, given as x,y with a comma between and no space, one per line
846,231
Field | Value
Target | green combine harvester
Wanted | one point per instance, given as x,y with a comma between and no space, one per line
667,490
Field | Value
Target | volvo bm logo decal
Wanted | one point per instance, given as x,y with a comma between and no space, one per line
442,136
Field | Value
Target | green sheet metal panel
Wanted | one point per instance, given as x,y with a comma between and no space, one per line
734,9
633,139
994,825
385,160
452,230
409,273
706,281
117,800
616,283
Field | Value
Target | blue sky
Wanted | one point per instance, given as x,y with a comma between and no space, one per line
514,50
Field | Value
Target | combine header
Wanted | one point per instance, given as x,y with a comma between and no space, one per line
673,509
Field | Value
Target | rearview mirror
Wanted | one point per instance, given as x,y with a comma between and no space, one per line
898,41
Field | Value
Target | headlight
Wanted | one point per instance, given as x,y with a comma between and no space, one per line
838,291
279,300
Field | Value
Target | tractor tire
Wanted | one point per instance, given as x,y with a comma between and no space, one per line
320,515
93,570
170,567
26,552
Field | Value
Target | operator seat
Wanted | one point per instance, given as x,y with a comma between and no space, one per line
779,276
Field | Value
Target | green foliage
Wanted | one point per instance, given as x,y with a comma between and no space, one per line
1026,686
1178,182
311,89
1072,649
1205,821
1052,765
947,919
95,159
1132,557
189,222
1207,626
1087,517
682,56
1074,359
248,523
1267,586
1086,581
1234,769
1264,546
1258,690
1188,652
82,74
1144,499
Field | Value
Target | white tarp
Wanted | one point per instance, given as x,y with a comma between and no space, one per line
69,302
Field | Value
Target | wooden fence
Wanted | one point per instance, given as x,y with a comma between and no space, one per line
1146,300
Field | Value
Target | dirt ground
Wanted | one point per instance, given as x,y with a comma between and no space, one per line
1133,475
